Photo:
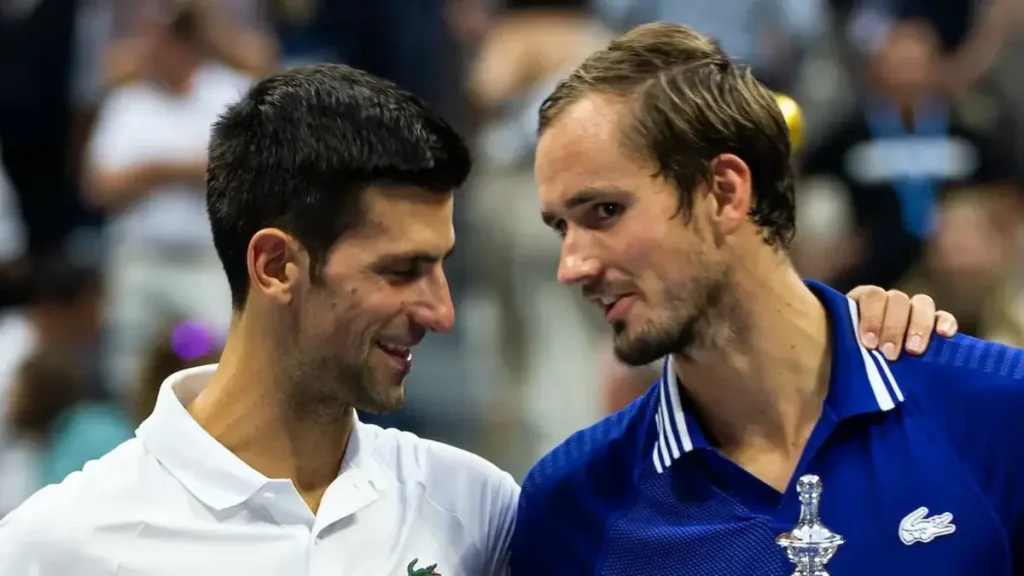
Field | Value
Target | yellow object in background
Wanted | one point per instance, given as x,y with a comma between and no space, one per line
794,120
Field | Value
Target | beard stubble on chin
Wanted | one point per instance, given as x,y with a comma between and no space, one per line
687,327
319,381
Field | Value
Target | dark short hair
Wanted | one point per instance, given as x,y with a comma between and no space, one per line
298,150
690,103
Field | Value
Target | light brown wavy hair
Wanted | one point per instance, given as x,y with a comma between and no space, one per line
691,103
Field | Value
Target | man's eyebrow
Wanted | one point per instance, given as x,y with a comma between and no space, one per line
418,256
581,197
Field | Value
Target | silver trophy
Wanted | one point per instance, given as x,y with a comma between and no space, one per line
810,545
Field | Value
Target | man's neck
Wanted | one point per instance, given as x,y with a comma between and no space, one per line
244,409
764,385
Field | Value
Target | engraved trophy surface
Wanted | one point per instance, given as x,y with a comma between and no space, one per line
810,545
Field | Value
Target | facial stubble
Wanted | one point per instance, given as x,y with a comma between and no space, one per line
686,326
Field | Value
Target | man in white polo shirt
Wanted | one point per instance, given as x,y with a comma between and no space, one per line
330,202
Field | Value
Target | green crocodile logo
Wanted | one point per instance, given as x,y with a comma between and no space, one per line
428,571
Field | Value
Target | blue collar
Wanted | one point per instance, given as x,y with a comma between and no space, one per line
860,383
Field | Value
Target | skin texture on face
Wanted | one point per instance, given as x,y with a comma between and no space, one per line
383,284
660,274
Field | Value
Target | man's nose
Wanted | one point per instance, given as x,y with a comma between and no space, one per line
436,312
576,265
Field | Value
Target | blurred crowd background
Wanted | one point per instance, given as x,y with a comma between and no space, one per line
909,177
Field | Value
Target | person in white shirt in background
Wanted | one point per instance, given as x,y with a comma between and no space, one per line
146,165
330,196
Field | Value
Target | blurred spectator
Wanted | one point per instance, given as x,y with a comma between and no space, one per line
970,266
904,143
13,246
62,313
185,345
527,50
13,242
35,115
60,317
147,164
406,42
234,32
971,34
542,335
770,35
49,407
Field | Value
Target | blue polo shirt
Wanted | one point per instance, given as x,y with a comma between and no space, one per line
922,463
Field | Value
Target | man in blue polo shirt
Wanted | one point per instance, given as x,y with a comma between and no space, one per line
665,169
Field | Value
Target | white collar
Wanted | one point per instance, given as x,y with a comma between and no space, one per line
211,472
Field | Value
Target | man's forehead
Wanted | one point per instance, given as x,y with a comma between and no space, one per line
582,152
593,120
408,215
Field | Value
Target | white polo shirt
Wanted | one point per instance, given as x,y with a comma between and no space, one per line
175,502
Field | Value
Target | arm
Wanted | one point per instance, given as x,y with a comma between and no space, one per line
116,187
999,20
117,174
888,320
251,52
124,60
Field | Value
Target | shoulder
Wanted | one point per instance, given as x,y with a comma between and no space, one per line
444,471
482,496
969,394
54,527
966,373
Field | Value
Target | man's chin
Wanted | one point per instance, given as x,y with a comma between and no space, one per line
384,401
640,353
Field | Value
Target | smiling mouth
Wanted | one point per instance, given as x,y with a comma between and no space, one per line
396,350
400,355
615,307
607,302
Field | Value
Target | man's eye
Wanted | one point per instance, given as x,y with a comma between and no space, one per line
606,210
404,274
559,228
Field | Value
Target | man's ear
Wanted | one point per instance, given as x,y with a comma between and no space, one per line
730,189
276,263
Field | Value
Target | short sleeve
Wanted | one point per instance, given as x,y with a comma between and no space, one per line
504,500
